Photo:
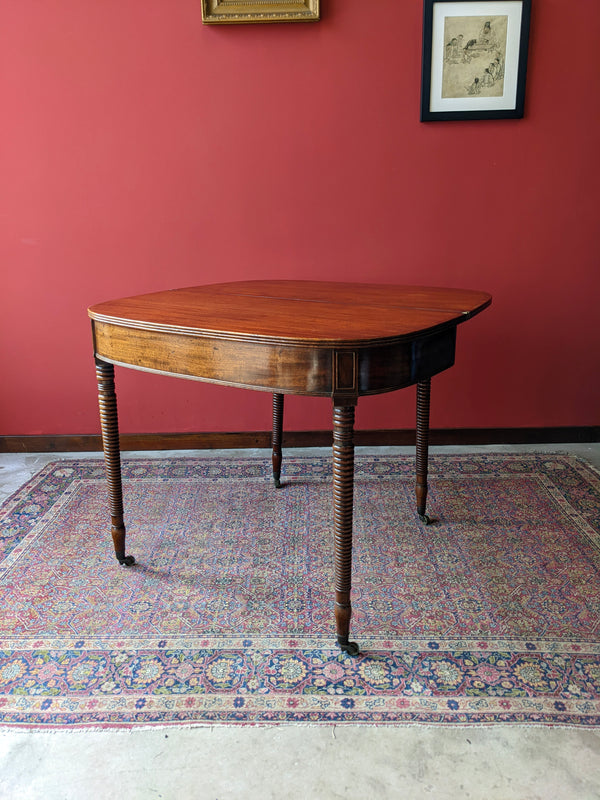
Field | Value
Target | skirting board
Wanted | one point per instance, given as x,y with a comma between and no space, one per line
373,438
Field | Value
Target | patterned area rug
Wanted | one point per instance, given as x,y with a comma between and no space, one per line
489,615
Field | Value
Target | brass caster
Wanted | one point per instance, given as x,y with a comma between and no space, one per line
351,648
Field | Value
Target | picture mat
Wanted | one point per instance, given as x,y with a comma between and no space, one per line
511,9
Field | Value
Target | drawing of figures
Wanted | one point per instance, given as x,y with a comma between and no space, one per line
454,49
475,87
486,39
487,79
499,62
467,69
469,51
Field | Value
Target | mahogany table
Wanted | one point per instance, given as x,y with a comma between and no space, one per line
338,340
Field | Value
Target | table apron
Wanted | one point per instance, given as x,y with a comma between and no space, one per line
342,372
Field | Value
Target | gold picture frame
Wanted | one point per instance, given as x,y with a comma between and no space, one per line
230,12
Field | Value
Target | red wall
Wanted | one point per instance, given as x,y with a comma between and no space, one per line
140,151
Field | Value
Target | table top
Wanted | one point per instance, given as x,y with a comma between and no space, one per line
296,311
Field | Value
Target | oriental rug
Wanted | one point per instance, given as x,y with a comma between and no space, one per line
491,614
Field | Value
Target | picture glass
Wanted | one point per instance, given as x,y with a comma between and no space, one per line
475,55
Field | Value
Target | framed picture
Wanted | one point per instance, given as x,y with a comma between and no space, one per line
474,59
239,11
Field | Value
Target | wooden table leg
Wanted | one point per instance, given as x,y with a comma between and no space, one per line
277,437
423,394
343,495
109,423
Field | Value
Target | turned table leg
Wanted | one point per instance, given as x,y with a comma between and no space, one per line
109,423
343,492
277,437
423,394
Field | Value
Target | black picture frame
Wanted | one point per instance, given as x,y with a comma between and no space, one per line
474,59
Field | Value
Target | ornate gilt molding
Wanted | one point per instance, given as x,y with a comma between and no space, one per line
245,11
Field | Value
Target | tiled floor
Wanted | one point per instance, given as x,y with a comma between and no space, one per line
225,763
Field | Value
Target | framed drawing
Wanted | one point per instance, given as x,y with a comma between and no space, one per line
238,11
474,59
